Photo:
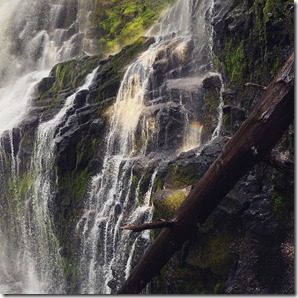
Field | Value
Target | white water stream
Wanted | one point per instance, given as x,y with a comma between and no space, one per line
107,252
36,34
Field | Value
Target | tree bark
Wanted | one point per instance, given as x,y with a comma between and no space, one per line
250,144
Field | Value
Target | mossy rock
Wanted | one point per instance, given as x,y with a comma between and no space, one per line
112,70
252,42
119,23
69,75
211,101
214,252
179,277
179,176
166,202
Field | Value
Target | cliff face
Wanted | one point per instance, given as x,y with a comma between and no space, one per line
247,245
79,144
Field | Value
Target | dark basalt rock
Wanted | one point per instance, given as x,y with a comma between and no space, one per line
44,85
246,246
236,113
212,82
96,126
80,99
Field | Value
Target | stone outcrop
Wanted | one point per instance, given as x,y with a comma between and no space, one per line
246,246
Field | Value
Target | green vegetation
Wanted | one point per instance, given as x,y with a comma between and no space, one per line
180,176
253,52
122,22
18,188
80,185
167,207
180,276
279,207
235,60
210,107
70,271
212,252
70,74
253,45
158,184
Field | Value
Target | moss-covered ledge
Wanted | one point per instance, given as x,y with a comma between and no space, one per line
119,23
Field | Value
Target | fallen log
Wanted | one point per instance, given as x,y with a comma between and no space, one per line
250,144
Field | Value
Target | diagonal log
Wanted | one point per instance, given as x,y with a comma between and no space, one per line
250,144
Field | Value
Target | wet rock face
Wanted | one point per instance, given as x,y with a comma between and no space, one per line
44,85
79,139
246,246
252,39
263,261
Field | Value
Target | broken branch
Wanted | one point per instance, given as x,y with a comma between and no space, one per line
151,225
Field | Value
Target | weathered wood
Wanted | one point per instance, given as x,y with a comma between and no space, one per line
254,139
150,226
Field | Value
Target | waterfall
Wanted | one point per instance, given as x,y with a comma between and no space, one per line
136,136
35,35
156,115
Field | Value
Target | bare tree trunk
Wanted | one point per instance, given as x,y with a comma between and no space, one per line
251,143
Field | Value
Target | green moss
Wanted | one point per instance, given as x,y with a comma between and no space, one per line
167,207
276,66
120,23
159,184
134,181
213,252
273,7
190,282
180,176
255,50
235,60
210,111
70,271
80,185
75,186
279,207
71,74
18,189
179,277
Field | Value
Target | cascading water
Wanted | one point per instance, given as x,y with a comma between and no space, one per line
35,35
136,137
157,114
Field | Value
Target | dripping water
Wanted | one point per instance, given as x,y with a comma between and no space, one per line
34,35
135,136
116,197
